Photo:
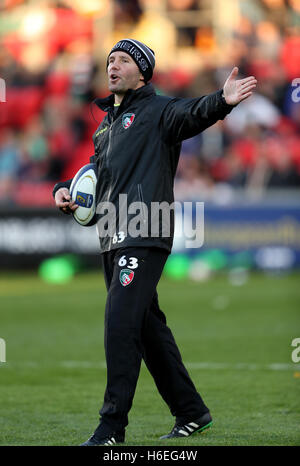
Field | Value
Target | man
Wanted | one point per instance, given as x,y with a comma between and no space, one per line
137,148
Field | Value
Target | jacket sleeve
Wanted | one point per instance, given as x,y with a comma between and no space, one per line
184,118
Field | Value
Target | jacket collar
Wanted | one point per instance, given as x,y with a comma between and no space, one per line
107,104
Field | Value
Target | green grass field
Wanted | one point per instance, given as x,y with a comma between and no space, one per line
235,341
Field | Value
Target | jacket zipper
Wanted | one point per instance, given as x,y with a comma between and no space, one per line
106,163
109,138
107,167
109,144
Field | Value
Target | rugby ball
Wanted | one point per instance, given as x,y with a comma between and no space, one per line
83,192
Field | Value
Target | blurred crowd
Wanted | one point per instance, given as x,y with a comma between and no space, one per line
47,119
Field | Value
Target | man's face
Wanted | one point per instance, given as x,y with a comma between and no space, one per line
123,73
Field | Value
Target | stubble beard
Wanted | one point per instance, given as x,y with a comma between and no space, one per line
122,87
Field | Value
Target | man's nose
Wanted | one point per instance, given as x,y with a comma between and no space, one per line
114,66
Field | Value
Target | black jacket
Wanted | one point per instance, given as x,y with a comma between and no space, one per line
137,151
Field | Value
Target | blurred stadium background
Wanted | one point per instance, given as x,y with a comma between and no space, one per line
246,169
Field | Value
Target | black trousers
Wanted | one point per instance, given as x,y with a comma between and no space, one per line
135,328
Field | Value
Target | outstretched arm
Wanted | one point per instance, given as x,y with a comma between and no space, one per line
184,118
236,90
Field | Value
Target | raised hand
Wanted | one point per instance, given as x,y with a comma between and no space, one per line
236,90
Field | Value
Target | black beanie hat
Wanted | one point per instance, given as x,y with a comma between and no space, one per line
143,56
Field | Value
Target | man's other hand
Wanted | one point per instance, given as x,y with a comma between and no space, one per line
236,90
63,201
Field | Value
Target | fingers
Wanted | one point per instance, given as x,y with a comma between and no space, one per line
245,96
234,73
64,202
245,81
72,206
247,84
248,88
62,196
236,90
68,207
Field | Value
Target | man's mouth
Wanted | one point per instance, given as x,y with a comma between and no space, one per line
114,78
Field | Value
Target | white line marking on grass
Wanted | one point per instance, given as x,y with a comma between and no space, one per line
83,364
240,366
